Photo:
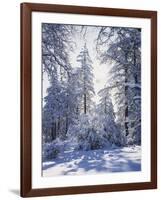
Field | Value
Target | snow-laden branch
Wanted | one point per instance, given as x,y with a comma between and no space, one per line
133,85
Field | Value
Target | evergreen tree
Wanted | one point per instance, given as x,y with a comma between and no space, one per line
56,44
121,46
87,78
107,118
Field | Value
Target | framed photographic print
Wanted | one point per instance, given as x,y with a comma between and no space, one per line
88,99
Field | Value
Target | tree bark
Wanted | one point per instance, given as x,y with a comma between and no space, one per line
105,106
66,125
85,106
58,125
126,102
53,131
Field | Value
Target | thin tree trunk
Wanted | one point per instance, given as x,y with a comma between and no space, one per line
85,95
126,118
105,106
53,131
135,75
126,103
85,106
66,125
58,126
55,126
77,111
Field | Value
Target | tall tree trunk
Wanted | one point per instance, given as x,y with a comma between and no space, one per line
58,126
126,102
85,106
126,118
85,95
137,92
53,131
66,125
135,75
77,110
105,106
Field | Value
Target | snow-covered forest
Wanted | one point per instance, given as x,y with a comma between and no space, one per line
91,114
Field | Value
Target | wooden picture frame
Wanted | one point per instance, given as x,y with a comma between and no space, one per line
26,95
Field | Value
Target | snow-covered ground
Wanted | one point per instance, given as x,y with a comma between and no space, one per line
72,162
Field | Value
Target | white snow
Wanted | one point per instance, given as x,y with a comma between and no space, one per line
72,162
137,97
133,85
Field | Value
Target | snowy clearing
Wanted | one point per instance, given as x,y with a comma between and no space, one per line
72,162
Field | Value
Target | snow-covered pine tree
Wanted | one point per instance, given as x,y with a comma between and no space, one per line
105,104
74,97
121,46
135,86
56,44
87,78
75,88
54,110
107,118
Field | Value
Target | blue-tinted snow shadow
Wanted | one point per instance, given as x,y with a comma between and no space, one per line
95,160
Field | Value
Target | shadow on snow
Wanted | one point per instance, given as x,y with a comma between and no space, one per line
97,161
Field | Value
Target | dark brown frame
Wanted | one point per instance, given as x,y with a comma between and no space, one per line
26,105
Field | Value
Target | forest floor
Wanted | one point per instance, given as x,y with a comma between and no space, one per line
72,162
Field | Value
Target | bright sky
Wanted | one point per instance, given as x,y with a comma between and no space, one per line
100,71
